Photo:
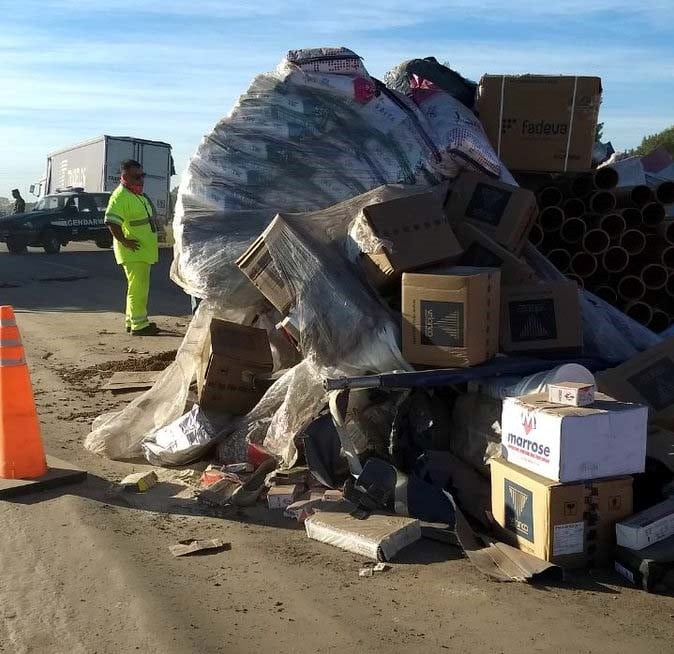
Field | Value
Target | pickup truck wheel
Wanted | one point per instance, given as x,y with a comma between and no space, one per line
51,242
104,242
15,245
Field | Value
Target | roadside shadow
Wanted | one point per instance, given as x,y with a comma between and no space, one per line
426,551
164,498
596,580
88,281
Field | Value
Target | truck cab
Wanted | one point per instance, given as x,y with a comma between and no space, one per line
70,214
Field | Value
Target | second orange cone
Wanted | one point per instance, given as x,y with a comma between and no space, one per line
21,451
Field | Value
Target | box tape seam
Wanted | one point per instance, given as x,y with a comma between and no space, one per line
573,111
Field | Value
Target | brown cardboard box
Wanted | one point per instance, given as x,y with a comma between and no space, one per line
541,123
541,317
450,316
647,378
257,264
504,212
417,231
482,251
572,525
238,354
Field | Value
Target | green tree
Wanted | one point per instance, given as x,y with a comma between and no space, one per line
599,133
664,138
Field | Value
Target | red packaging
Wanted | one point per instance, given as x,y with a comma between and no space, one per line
257,454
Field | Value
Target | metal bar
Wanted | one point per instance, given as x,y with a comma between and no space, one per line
602,202
664,192
550,196
551,219
605,178
631,287
450,376
596,241
572,230
653,214
615,259
639,311
634,196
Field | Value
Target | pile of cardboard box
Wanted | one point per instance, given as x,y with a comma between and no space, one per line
564,480
450,261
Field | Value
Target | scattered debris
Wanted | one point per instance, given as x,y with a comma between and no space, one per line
238,468
282,496
131,381
371,569
191,547
140,481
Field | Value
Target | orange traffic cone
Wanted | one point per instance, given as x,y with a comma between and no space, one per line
21,452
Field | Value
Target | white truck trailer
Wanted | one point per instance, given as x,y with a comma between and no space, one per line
94,167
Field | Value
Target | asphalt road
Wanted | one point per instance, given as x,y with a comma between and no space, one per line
82,278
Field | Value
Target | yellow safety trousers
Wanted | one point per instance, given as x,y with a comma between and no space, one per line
138,288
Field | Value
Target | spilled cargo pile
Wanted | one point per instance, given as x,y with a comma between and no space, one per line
383,353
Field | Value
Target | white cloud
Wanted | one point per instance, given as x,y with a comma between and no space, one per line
376,15
184,64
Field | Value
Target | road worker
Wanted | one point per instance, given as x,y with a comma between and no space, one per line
130,219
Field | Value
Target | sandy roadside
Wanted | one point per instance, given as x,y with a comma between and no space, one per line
87,569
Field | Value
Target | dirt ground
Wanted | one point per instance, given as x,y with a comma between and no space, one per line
87,568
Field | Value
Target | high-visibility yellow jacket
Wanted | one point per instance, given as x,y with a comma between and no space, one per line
135,214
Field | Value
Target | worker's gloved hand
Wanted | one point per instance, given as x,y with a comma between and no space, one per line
131,243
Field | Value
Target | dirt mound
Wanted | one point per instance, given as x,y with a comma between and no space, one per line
135,363
132,363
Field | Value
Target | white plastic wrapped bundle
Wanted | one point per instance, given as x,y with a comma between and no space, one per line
316,131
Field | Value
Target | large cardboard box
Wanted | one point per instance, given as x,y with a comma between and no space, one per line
450,316
567,443
647,527
541,317
238,355
647,378
257,264
572,525
539,122
483,251
504,212
417,234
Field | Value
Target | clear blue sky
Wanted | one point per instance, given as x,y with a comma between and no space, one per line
168,70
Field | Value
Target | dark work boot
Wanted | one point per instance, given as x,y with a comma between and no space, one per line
150,330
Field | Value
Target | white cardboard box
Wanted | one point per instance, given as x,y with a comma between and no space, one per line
648,527
571,393
566,443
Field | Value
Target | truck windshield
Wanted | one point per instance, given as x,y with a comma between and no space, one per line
50,202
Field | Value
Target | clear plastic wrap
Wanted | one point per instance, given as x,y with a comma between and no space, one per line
118,435
316,140
608,333
314,132
182,441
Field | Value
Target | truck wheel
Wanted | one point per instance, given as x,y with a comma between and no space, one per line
104,242
51,242
15,245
